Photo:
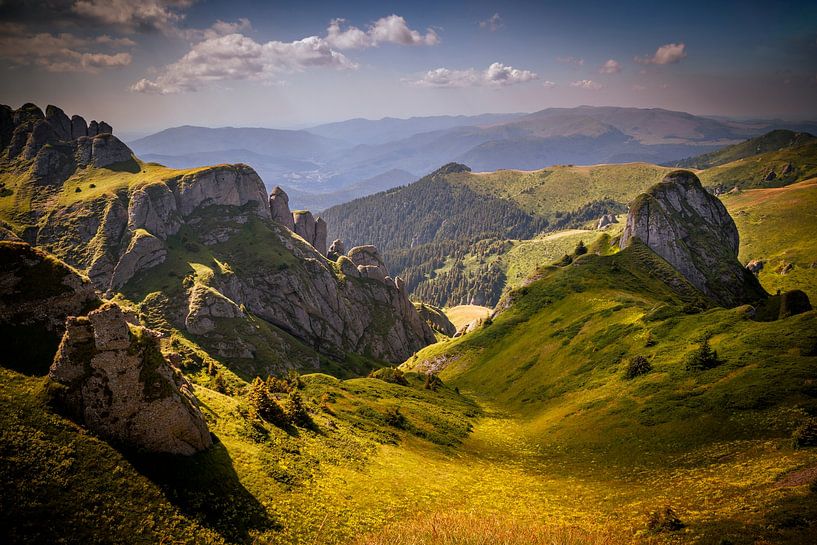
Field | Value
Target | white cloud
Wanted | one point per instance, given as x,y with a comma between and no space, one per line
666,54
588,84
496,75
493,23
575,61
611,66
392,29
134,15
238,57
63,52
549,84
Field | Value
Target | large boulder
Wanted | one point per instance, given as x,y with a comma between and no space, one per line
279,208
336,250
311,229
368,262
691,229
113,378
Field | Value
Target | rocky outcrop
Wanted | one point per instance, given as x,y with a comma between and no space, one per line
114,379
225,185
37,293
605,220
691,229
337,249
204,305
770,176
755,266
310,229
279,208
436,319
143,252
368,262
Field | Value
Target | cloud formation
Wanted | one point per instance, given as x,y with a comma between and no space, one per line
588,84
496,75
63,52
611,66
238,57
666,54
493,23
392,29
134,15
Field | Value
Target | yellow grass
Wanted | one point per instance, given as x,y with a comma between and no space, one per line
462,315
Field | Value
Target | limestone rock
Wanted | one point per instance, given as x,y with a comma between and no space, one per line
279,208
771,175
368,262
605,220
304,225
205,303
143,252
107,150
787,169
78,127
337,249
436,319
225,185
104,128
93,128
691,229
59,122
41,134
347,267
153,207
319,242
755,266
115,380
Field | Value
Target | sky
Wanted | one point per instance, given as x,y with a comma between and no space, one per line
151,64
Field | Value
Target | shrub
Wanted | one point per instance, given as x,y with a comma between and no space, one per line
77,190
703,358
92,186
390,374
664,520
805,435
294,379
432,382
295,410
219,384
566,260
638,366
265,405
581,249
278,385
395,418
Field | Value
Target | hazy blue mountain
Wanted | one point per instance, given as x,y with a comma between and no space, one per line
369,131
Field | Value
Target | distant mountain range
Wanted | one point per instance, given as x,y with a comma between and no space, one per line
333,163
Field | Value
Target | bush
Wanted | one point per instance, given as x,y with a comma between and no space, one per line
566,260
296,412
805,435
581,249
390,374
703,358
219,384
664,520
265,405
77,190
278,385
432,382
638,366
395,418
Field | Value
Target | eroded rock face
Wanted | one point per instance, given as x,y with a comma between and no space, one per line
337,249
691,229
279,208
114,379
436,319
312,230
605,220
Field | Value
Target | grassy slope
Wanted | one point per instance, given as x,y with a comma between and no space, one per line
564,188
751,171
711,444
779,226
462,315
770,142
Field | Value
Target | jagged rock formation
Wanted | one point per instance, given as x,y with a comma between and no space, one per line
691,229
336,249
368,262
605,220
37,293
311,229
436,319
279,208
118,237
56,145
114,379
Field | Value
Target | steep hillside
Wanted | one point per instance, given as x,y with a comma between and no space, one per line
448,234
770,142
198,253
778,228
714,445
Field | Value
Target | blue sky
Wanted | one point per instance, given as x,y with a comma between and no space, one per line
156,63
